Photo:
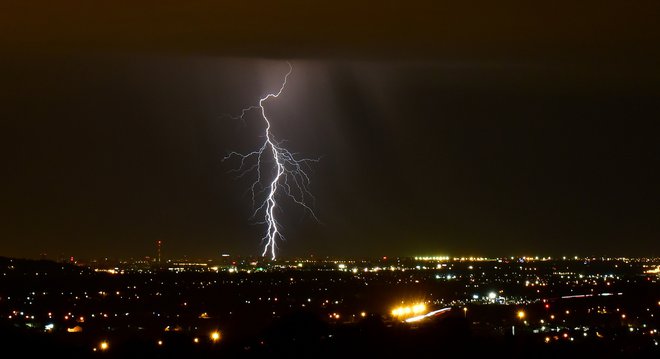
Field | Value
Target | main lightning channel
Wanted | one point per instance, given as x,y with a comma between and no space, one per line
290,176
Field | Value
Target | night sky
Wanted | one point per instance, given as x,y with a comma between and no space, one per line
489,129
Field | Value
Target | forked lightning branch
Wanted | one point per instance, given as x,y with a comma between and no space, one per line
279,174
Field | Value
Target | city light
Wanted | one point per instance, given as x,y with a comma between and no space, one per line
76,329
406,311
534,315
429,314
215,336
432,258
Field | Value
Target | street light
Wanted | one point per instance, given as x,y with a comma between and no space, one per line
215,336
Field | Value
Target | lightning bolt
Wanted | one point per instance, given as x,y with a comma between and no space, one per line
289,176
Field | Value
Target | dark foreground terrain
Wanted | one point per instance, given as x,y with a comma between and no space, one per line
50,309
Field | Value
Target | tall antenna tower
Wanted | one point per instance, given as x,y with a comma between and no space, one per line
159,245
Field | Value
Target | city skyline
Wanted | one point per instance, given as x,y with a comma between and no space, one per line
517,307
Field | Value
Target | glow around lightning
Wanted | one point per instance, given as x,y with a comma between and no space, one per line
288,174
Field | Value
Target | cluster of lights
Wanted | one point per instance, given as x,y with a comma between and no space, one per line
215,337
564,336
103,346
432,258
473,259
110,271
536,258
653,271
405,311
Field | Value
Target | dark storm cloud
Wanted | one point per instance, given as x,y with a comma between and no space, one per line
489,129
606,31
510,158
